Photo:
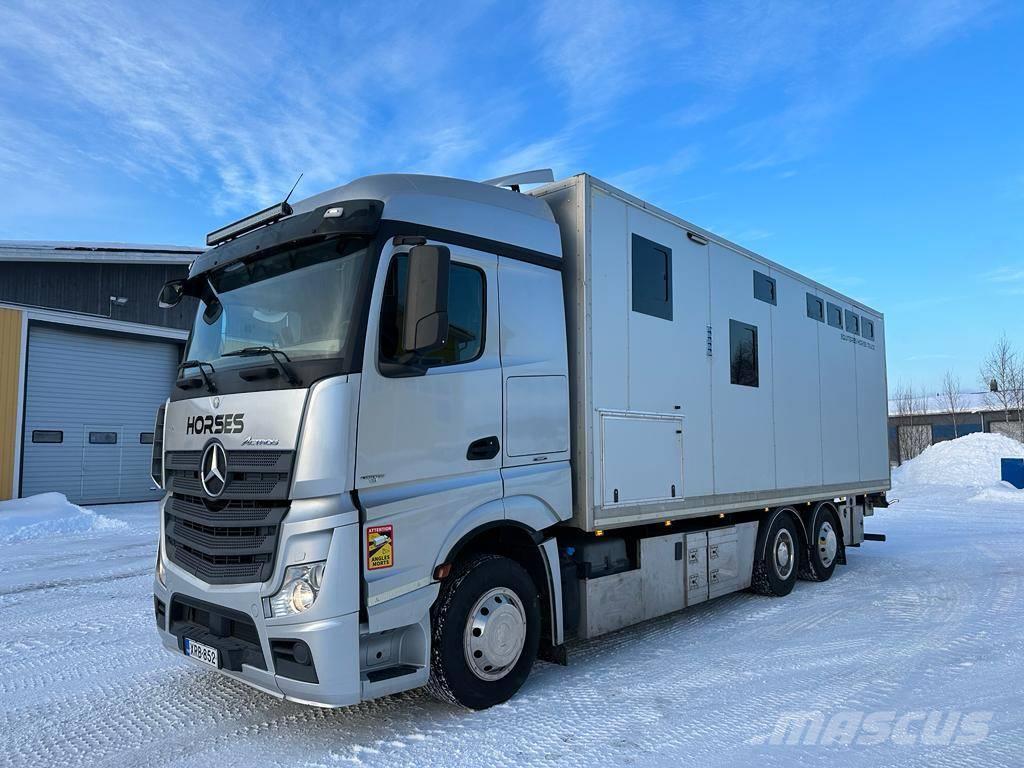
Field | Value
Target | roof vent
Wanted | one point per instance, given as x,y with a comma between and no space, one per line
515,180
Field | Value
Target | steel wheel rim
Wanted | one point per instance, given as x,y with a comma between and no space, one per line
783,554
828,543
495,634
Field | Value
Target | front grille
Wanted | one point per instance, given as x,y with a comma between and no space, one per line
231,539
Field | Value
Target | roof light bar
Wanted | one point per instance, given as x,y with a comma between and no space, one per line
249,223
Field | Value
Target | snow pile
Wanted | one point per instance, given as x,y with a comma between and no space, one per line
971,461
49,514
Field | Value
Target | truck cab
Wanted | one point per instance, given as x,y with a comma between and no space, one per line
375,394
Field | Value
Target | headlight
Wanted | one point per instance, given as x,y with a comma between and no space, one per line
160,575
301,587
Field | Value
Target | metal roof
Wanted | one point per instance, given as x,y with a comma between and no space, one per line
970,402
98,253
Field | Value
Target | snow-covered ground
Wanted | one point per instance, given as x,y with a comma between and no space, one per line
913,654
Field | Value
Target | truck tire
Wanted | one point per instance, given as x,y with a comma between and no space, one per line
776,556
485,633
822,554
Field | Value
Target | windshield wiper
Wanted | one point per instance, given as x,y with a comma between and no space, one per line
275,355
210,386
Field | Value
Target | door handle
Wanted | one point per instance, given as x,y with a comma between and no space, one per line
483,449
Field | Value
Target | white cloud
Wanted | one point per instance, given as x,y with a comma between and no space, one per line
229,106
225,102
649,178
601,49
1004,275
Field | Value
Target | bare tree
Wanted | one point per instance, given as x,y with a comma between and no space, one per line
1017,396
912,438
953,400
1001,378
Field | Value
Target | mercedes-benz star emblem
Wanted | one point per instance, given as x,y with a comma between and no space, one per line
213,470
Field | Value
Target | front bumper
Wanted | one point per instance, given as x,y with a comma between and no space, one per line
254,645
334,648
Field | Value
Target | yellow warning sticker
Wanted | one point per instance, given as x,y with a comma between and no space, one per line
380,547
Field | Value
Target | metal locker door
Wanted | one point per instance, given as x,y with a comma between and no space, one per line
663,567
723,569
696,568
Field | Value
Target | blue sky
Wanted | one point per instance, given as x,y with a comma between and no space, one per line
874,146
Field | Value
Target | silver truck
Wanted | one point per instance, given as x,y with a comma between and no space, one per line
428,430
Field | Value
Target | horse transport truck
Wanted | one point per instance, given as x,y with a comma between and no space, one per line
428,430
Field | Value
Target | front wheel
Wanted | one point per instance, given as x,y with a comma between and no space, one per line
486,630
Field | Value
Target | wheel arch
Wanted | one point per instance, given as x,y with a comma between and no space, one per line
769,520
524,545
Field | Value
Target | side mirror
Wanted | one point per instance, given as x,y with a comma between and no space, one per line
426,300
171,294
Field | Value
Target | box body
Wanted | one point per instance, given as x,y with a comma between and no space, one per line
716,390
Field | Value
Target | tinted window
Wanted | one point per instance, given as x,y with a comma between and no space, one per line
47,436
852,322
764,288
103,438
652,278
867,327
815,308
465,316
743,353
835,316
146,438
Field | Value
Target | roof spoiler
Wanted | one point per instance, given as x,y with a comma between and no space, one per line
515,180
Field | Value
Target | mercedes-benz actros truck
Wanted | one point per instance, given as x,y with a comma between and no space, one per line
428,430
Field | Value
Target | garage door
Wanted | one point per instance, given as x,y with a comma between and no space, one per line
90,402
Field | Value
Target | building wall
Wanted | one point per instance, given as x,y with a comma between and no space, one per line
10,380
905,438
87,288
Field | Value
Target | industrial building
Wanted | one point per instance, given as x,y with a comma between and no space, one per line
86,358
931,421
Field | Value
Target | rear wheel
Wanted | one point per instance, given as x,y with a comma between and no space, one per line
823,550
776,557
486,630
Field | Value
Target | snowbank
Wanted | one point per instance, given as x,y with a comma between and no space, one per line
49,514
971,461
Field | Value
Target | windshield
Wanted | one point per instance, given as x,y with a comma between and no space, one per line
302,301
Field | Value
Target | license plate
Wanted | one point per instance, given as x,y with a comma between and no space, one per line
203,653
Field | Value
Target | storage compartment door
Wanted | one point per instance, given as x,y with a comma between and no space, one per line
642,458
664,578
723,572
696,568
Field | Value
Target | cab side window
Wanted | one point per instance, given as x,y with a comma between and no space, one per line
466,317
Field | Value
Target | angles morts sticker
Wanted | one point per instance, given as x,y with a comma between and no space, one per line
380,547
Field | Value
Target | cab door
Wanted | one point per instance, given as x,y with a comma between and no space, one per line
428,453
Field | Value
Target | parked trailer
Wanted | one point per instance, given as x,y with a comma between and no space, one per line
427,429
